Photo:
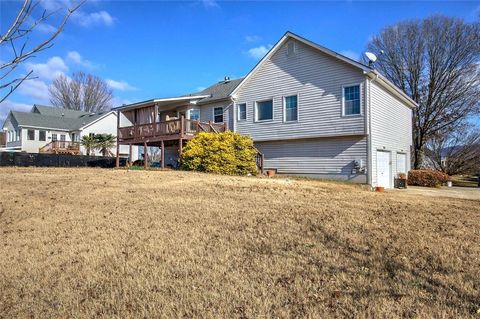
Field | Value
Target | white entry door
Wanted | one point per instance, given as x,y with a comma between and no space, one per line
384,169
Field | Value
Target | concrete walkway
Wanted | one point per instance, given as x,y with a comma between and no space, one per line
452,192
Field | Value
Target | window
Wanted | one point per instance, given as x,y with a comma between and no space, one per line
351,100
31,135
54,137
242,112
62,138
195,115
218,114
42,136
19,134
291,48
264,111
291,108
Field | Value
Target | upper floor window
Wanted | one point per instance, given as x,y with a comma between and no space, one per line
31,135
195,115
264,110
218,114
242,112
291,48
42,135
291,108
351,100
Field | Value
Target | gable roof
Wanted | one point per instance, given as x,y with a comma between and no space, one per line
218,91
56,111
372,73
51,118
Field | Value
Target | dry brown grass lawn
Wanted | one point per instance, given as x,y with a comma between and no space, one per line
84,243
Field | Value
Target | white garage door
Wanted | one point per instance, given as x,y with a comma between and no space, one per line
401,163
383,169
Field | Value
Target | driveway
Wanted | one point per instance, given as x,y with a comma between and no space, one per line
452,192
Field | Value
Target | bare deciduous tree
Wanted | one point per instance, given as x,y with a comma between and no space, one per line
83,92
436,62
456,152
14,42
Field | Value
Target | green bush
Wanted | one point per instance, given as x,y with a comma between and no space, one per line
427,178
226,153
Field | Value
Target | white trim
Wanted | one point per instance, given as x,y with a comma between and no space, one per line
153,101
223,113
238,112
284,108
95,121
44,128
255,112
392,88
360,85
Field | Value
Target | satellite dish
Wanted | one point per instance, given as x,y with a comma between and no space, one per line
371,57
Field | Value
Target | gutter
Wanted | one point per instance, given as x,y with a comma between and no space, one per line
390,87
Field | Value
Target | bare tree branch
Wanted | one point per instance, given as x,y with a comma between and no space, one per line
436,62
16,37
84,92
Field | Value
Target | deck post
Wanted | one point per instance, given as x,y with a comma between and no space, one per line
130,151
180,146
145,155
163,153
155,119
182,126
117,162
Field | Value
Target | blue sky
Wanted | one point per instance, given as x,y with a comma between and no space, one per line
155,48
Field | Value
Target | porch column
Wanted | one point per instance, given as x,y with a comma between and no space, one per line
163,154
117,163
130,151
145,155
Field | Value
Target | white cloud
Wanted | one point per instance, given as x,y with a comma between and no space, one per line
35,89
77,58
210,3
252,38
350,54
259,52
119,85
54,67
91,19
9,105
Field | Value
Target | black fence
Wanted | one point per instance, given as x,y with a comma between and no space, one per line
57,160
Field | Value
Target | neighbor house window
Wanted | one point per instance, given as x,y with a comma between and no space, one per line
62,137
54,137
218,114
242,112
264,111
351,100
291,108
195,115
19,134
42,136
31,135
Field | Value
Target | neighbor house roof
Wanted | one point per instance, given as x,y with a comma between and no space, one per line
52,118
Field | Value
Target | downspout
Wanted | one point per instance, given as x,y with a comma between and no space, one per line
370,153
234,114
368,130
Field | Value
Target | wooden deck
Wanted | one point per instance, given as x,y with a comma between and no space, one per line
177,129
61,147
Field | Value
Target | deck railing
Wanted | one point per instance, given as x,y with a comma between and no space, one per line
181,127
61,147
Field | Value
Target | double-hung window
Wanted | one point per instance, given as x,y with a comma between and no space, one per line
42,136
195,115
218,115
54,137
264,111
290,108
351,100
242,112
31,135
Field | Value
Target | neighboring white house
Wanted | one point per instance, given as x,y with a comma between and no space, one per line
309,110
34,130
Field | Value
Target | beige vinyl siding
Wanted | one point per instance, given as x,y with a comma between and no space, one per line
391,128
317,79
206,112
317,157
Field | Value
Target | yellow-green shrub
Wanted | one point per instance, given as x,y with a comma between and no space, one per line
226,153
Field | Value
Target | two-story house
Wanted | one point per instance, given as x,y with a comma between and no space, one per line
56,130
309,110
